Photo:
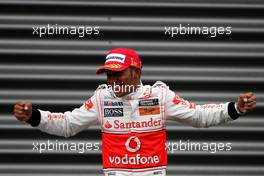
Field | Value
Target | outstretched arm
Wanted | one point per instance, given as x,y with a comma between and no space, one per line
62,124
207,115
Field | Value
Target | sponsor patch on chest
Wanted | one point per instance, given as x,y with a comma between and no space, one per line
113,112
113,103
149,110
148,102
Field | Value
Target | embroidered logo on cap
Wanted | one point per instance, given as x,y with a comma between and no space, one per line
115,58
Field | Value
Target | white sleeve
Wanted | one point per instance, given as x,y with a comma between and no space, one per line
206,115
71,122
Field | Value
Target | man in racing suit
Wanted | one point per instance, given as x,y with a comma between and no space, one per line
132,116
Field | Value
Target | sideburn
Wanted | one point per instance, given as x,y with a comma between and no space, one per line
134,76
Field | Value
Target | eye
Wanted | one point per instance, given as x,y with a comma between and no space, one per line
109,74
118,74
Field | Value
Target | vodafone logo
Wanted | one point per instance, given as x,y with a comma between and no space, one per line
133,144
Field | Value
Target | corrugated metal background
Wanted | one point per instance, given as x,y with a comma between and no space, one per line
57,74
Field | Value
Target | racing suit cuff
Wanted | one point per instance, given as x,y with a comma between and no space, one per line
232,112
35,118
239,112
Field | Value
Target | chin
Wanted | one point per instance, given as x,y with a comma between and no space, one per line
121,94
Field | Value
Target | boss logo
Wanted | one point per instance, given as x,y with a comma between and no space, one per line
113,112
150,102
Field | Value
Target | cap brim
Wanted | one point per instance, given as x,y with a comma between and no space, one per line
112,67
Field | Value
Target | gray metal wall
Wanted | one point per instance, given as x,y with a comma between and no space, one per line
57,73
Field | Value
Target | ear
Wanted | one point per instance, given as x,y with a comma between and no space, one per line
137,73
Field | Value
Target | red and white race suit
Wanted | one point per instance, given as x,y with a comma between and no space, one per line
133,127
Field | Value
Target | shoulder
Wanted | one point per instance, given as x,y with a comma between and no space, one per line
102,87
160,85
162,88
103,90
157,88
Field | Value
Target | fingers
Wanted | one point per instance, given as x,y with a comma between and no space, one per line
19,107
23,110
247,102
27,106
245,96
21,117
249,108
250,103
252,98
19,112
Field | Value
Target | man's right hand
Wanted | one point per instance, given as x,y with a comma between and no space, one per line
23,110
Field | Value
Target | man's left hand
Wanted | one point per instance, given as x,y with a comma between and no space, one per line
246,102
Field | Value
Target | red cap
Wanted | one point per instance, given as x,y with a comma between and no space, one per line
120,59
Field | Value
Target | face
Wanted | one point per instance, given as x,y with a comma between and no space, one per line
123,82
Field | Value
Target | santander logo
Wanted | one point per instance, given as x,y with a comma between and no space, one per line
108,125
133,144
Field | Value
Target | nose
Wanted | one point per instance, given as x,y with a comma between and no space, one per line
111,78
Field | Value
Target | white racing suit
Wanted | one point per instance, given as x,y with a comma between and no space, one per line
134,126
